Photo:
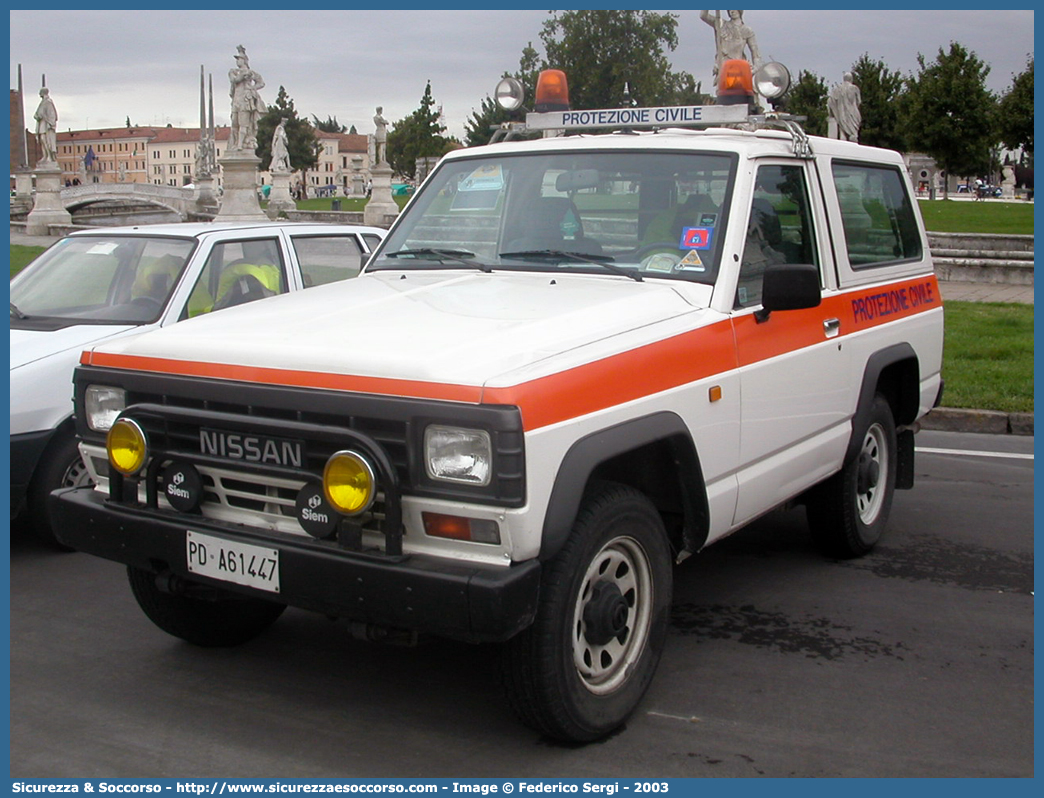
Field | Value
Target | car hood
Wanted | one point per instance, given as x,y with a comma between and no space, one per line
438,327
28,346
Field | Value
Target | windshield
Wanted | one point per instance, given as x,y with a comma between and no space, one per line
645,214
100,280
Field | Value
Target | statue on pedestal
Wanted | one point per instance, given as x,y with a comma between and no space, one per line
380,138
280,151
843,107
46,117
247,105
732,39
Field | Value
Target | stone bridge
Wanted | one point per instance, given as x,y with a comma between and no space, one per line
181,201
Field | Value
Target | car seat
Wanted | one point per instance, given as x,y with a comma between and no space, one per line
246,282
154,280
554,223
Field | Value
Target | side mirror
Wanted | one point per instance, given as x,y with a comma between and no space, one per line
789,286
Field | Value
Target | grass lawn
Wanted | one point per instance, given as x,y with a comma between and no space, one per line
988,216
988,356
21,256
347,203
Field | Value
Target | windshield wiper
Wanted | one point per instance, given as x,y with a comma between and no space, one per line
605,261
16,312
456,255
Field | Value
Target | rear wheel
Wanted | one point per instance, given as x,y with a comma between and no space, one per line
847,514
579,671
217,619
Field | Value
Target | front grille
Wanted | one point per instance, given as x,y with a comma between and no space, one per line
388,430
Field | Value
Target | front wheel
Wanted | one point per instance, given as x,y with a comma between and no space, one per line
847,514
579,671
220,619
61,466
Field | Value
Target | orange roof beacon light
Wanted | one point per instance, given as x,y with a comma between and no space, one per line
735,83
552,91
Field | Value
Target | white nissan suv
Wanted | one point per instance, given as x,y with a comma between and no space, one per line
573,363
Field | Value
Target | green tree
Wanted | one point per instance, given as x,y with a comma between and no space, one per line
419,135
602,51
330,125
302,143
1015,112
808,98
948,112
881,90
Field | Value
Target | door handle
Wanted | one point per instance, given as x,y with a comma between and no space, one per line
832,327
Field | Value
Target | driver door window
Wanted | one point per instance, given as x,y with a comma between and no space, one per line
237,272
779,228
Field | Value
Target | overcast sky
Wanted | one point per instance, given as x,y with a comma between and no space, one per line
103,66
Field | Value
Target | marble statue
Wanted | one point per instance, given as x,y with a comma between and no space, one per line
280,151
247,105
843,107
380,137
46,117
732,39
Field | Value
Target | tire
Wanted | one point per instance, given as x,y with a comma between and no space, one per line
580,670
60,466
848,513
219,622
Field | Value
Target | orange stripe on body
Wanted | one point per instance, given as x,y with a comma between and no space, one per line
793,330
611,381
288,377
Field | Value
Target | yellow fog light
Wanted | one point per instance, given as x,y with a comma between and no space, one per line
127,448
349,483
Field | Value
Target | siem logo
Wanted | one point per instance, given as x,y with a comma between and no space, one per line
315,500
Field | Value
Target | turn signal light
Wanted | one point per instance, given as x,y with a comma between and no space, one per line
455,527
735,82
552,91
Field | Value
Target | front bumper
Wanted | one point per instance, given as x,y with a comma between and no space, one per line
447,598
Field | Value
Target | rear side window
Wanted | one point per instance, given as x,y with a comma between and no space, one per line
327,259
877,214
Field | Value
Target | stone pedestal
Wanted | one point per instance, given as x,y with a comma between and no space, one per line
381,204
47,208
206,195
23,184
239,198
280,200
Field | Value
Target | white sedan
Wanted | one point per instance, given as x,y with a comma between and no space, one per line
99,284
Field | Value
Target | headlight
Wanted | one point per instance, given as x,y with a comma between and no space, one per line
349,483
458,455
127,448
101,405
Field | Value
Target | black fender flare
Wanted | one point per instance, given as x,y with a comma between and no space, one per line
585,455
906,396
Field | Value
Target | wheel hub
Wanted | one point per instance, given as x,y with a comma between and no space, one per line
869,473
605,615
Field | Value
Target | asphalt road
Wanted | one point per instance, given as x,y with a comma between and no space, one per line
914,661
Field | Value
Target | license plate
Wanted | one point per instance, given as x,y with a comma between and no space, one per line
230,561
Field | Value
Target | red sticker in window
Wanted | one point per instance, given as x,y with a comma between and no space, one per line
695,238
